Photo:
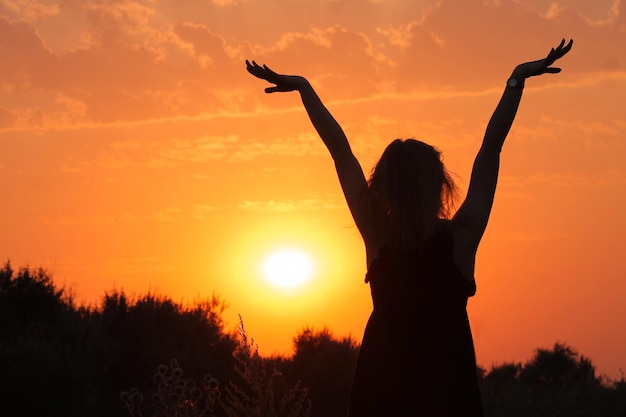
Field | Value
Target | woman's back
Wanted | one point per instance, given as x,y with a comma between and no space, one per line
417,355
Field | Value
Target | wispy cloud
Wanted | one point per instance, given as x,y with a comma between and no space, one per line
128,61
168,214
204,211
167,152
179,151
299,145
291,205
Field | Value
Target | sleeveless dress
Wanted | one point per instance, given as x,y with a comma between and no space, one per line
417,355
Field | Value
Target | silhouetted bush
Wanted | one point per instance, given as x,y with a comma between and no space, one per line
57,359
151,330
60,359
261,390
175,395
258,390
51,352
554,382
325,365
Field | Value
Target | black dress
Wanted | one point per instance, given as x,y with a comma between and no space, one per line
417,354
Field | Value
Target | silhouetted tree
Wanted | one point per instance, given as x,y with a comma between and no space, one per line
560,365
153,330
325,365
51,352
503,375
553,382
60,359
57,359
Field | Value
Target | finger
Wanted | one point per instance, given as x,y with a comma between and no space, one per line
257,66
256,70
266,68
567,47
270,90
553,70
249,66
252,70
564,50
557,51
551,57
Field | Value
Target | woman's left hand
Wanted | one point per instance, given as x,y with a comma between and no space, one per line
543,66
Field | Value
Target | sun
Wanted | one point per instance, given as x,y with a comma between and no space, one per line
287,268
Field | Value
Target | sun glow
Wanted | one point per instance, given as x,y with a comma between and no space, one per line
287,268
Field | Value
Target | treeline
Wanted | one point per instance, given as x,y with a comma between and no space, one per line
148,355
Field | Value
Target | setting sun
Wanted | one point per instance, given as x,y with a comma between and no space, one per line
287,268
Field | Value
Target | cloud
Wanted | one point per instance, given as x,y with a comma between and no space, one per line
554,11
168,214
210,49
603,12
289,205
130,61
31,9
197,150
25,56
130,70
224,3
168,152
299,145
6,118
400,37
204,211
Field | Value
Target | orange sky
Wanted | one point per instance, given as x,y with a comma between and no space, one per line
136,152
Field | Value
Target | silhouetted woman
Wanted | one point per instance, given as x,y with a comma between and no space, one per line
417,355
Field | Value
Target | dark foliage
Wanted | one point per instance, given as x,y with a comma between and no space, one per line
325,365
50,350
554,382
57,359
152,330
261,390
60,359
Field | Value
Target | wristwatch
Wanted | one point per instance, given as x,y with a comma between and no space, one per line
515,83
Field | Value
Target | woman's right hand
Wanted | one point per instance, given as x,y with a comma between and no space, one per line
283,82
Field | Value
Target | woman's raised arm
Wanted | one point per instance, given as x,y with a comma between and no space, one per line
349,171
471,219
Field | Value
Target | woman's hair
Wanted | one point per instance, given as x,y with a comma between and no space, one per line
409,191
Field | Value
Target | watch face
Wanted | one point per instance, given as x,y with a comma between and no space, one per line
512,82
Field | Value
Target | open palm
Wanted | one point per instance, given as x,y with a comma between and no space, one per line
283,82
543,66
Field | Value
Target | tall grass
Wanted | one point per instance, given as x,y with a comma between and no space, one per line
257,390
